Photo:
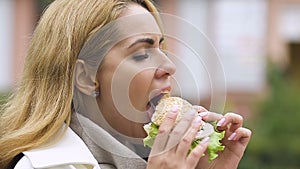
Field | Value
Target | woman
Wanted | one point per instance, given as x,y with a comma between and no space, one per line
104,48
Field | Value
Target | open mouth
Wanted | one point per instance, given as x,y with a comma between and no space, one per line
153,103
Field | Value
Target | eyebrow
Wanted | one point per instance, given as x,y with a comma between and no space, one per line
146,40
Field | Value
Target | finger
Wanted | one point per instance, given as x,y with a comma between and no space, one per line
186,142
233,120
194,156
163,131
200,108
241,134
203,112
213,116
178,132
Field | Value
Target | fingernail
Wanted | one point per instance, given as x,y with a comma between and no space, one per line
174,109
205,140
198,119
196,107
232,136
221,122
203,114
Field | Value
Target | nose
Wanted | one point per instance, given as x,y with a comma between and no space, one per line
166,68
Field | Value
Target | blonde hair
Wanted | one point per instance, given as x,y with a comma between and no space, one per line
42,103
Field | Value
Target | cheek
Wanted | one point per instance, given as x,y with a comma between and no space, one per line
140,86
141,83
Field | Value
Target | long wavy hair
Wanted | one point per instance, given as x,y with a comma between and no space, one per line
42,102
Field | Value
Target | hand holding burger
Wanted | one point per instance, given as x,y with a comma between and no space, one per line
206,129
172,131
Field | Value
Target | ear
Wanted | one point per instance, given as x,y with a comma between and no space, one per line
84,78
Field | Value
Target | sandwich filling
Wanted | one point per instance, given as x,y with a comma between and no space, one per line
162,104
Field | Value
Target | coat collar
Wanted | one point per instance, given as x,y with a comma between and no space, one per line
105,147
69,150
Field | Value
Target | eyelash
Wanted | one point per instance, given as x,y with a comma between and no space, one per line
141,57
146,56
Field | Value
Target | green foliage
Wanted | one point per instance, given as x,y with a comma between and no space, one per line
276,137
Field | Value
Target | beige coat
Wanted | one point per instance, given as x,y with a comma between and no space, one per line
77,150
69,153
108,151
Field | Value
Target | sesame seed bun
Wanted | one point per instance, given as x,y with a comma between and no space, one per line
166,104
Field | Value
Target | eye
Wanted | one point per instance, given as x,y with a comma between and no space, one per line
140,57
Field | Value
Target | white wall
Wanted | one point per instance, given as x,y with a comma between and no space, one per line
240,37
237,31
192,72
200,74
6,42
289,24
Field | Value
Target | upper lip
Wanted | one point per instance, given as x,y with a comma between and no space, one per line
161,92
166,89
157,92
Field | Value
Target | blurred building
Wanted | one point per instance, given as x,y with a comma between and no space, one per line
18,18
244,33
247,35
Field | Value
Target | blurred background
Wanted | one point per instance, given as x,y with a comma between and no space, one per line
258,42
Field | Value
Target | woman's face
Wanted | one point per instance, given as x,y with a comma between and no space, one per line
134,71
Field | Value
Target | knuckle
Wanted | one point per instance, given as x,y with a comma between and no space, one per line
193,131
164,162
186,140
230,114
196,126
240,117
185,120
176,133
167,163
174,165
151,161
234,116
200,108
162,130
195,154
170,116
248,131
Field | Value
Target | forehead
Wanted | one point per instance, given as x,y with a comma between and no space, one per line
135,20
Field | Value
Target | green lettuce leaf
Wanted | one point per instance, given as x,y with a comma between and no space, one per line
214,145
213,148
152,131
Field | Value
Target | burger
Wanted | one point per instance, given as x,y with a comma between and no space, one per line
163,105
